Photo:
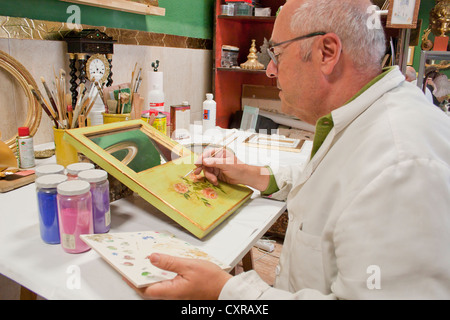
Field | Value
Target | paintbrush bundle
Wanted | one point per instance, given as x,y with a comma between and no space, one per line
123,98
58,105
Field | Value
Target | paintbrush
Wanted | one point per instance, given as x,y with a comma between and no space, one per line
50,96
70,115
212,155
62,86
119,110
91,104
132,77
100,91
86,103
43,105
78,105
134,82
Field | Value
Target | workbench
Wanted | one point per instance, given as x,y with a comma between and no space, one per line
52,273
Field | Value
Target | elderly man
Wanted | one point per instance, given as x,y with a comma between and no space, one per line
369,214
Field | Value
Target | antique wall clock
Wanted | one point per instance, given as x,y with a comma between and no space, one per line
97,68
90,56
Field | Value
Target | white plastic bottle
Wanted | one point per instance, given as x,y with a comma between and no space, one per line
156,99
209,113
96,114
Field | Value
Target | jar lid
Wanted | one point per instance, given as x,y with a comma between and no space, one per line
73,187
50,180
49,169
75,168
231,48
93,175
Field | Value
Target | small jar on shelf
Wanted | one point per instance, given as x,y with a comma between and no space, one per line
241,7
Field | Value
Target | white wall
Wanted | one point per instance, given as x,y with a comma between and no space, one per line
187,77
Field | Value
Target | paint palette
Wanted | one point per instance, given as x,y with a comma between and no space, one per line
129,253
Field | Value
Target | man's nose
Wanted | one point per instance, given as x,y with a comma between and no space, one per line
271,70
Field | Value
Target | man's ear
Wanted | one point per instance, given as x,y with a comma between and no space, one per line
329,52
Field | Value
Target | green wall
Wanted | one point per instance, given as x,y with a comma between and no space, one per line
191,18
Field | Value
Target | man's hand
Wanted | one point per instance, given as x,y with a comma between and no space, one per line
195,280
222,164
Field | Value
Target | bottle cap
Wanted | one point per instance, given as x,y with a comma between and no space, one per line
73,187
24,131
94,175
209,96
75,168
50,180
49,169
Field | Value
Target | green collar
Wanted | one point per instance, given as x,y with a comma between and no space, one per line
325,124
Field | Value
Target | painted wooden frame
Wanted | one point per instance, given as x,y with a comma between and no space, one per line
403,14
258,140
410,61
25,79
154,166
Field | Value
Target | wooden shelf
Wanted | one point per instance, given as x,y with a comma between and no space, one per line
123,5
238,31
248,18
241,70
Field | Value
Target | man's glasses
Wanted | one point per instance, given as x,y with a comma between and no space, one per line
271,51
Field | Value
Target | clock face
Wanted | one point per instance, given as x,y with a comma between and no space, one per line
97,68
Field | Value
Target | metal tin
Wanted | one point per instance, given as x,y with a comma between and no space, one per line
180,119
160,122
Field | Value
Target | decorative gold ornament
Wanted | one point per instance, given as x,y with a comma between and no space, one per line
440,18
252,63
439,23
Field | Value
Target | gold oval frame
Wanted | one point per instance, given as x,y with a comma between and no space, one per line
34,111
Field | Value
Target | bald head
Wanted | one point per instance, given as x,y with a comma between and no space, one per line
410,74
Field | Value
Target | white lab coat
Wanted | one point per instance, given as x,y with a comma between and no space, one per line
369,216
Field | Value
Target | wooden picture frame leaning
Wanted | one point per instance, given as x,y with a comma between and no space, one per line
154,166
25,79
403,14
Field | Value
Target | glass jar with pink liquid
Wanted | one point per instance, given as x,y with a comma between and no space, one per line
75,214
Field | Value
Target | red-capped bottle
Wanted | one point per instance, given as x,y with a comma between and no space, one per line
25,148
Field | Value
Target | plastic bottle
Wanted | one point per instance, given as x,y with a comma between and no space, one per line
209,113
96,114
48,206
156,98
100,198
26,148
75,214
